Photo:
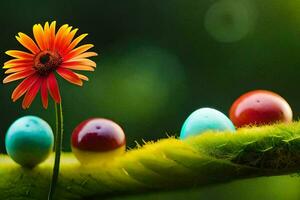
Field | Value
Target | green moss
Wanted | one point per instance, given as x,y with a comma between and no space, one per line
270,147
166,164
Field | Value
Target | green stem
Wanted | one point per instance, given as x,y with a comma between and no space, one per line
58,148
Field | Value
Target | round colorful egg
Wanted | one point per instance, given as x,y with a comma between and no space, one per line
260,107
29,141
205,119
97,140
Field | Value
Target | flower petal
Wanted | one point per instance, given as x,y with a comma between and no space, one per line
53,88
18,69
31,93
77,51
52,35
20,54
44,93
18,76
18,61
59,34
38,34
62,43
68,41
46,34
81,61
75,42
83,77
23,87
78,67
69,76
86,55
28,43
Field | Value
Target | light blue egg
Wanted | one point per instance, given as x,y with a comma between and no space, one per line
29,141
205,119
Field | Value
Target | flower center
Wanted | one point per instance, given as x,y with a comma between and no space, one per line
46,62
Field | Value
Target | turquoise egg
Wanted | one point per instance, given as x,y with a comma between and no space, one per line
29,141
205,119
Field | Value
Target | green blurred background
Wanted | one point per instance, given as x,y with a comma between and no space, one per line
159,60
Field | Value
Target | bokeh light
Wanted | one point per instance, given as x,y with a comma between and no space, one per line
230,20
140,83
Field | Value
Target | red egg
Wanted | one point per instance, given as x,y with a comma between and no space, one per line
260,107
97,140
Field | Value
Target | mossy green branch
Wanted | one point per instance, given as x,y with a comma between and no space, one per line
166,164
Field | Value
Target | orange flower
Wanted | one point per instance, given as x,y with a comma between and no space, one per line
51,52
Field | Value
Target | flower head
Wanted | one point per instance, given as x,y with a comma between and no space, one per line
50,52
